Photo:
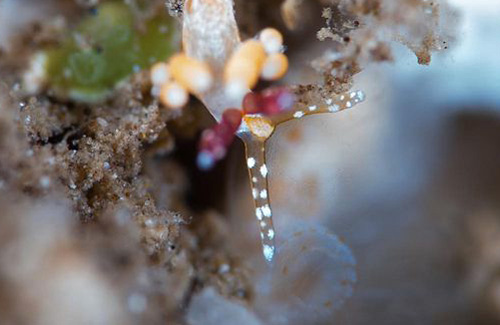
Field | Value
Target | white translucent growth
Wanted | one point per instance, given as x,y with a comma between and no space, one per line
313,275
34,77
210,308
210,34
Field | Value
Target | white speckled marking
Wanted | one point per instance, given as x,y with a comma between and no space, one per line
270,234
298,114
334,108
251,162
361,95
266,211
258,213
263,194
313,108
268,252
255,192
263,170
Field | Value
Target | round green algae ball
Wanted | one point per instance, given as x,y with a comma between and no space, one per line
105,49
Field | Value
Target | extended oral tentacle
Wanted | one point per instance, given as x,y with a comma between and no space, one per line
254,131
333,105
258,173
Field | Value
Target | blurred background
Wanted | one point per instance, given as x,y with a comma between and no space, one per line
408,180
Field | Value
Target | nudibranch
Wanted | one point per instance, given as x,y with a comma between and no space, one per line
220,69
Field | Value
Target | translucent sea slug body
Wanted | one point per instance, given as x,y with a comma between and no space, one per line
211,40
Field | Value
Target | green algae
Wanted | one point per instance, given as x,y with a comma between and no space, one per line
105,48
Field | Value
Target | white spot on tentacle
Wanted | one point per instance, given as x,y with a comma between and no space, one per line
298,114
334,108
263,170
268,252
258,213
266,211
251,162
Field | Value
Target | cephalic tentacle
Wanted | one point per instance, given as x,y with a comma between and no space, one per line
258,174
338,103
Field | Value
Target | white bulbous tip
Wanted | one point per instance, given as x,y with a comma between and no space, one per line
236,89
203,82
268,252
270,71
205,161
160,74
174,95
272,40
